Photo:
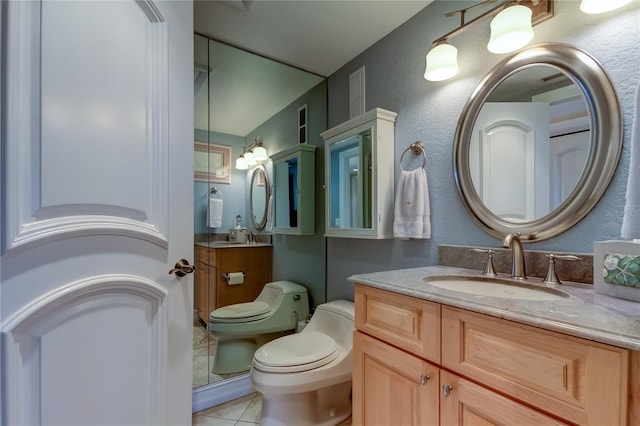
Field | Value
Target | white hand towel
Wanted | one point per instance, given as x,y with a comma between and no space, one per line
631,219
214,216
412,214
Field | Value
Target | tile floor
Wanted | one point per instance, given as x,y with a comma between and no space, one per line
239,412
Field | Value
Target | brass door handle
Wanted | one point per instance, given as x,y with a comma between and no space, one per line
182,268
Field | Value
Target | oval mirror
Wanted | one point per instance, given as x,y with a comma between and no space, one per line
537,142
259,197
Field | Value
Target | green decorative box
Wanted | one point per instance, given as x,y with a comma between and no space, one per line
617,269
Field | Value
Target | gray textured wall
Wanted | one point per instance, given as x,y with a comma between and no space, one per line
429,111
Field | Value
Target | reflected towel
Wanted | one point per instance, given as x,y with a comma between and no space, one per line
631,219
269,226
412,214
214,213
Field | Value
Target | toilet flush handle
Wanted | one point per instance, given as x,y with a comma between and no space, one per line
296,297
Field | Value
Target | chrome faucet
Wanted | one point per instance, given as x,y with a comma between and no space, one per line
517,256
251,238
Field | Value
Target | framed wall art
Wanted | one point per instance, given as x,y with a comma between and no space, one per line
211,163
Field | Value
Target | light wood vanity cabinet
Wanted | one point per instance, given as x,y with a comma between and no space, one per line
212,291
486,371
392,387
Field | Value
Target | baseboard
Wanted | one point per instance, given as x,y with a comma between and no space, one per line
220,392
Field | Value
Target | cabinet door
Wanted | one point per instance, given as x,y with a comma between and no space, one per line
255,262
204,291
294,171
465,403
406,322
359,179
392,387
582,381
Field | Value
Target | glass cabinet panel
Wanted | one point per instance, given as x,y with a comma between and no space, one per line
350,188
294,190
359,176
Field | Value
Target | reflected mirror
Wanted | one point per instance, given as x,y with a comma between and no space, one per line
350,203
259,197
529,144
538,142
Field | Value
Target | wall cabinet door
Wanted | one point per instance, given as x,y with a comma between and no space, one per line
294,171
359,176
392,387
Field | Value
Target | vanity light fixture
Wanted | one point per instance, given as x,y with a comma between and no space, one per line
248,157
260,152
593,7
241,164
442,62
252,155
511,29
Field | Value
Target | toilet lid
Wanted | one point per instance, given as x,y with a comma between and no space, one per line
241,312
296,352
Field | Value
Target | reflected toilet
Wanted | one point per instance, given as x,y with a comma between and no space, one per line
241,328
305,378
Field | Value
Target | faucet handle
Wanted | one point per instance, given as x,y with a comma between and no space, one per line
552,277
488,268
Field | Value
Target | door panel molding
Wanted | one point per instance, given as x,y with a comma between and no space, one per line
35,356
38,211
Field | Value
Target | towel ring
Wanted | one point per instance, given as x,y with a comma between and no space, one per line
213,191
417,148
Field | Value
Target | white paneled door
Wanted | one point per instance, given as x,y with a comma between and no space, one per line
97,207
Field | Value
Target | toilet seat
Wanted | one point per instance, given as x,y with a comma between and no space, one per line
241,312
296,352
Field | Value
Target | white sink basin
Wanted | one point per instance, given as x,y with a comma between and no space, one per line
496,287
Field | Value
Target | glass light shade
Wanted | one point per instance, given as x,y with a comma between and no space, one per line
250,160
241,164
442,63
601,6
260,153
510,29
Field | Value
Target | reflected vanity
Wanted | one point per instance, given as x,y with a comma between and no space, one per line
538,142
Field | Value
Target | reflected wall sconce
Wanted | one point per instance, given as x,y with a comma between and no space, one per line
593,7
252,155
511,29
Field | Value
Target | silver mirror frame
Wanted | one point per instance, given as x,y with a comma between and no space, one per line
606,140
260,224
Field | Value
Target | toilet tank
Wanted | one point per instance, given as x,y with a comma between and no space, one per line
289,300
335,319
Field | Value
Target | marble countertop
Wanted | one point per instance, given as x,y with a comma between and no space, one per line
583,314
230,244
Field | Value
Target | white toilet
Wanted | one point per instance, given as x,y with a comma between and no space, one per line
305,378
241,328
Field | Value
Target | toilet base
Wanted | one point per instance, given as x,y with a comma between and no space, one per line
235,354
325,407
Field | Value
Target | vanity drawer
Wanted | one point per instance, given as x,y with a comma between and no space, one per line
579,380
407,322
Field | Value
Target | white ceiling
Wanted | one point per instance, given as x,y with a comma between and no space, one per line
318,36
